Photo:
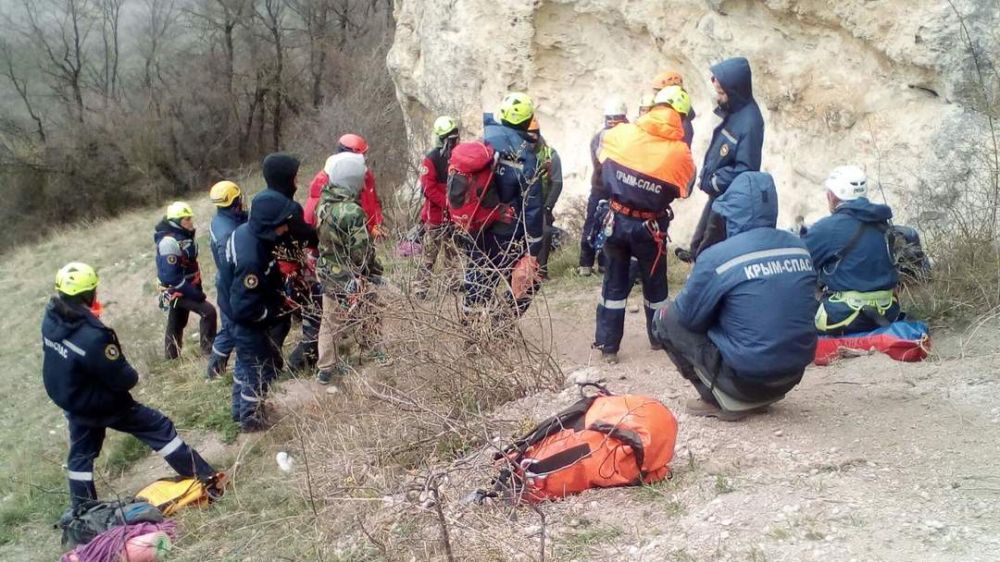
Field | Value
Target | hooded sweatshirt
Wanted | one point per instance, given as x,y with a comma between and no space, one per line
280,171
250,282
753,293
177,260
868,266
737,141
646,164
346,251
83,368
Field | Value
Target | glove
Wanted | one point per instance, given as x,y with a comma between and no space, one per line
526,276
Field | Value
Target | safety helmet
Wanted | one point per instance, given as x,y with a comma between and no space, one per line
675,97
224,193
75,278
646,101
666,79
614,106
516,108
847,183
179,210
445,125
354,143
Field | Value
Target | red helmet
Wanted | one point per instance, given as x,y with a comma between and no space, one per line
354,143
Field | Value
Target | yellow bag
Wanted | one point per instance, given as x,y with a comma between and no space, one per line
171,494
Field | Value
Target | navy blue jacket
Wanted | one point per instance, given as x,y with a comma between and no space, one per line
519,182
83,368
866,267
250,283
738,140
597,187
753,293
177,260
224,223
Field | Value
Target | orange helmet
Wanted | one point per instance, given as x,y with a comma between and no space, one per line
354,143
668,79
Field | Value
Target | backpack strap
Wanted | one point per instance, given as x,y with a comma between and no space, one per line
626,436
853,242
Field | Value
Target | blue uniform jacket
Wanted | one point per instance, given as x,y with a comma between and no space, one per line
224,223
597,187
83,368
518,182
250,283
177,260
868,266
753,293
737,141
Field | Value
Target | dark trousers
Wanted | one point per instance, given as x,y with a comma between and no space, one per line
145,424
223,344
492,258
692,353
256,368
547,234
304,355
711,230
177,319
631,238
587,252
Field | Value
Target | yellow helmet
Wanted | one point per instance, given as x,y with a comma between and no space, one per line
516,108
179,210
224,193
75,278
675,97
445,125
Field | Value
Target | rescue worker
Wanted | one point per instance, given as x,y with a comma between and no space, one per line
552,184
645,166
438,233
369,195
741,330
518,183
86,374
250,294
181,291
671,78
851,250
614,114
293,253
735,147
228,199
346,266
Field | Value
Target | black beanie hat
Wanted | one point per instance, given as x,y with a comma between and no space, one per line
280,170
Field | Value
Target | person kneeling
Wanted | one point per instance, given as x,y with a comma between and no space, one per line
741,331
851,250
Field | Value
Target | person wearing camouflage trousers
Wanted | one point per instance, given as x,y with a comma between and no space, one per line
347,266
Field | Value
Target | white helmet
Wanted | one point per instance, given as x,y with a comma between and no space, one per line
847,183
614,106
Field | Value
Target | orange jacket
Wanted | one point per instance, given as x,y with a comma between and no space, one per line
646,164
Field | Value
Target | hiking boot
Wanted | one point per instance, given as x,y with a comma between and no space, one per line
700,408
584,271
609,357
324,377
684,255
253,425
216,366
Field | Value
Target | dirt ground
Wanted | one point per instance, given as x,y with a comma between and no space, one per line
868,459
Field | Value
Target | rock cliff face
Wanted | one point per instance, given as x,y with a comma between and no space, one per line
889,84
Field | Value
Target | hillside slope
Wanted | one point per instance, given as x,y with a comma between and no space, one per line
867,460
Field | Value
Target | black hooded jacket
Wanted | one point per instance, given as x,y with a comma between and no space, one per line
280,170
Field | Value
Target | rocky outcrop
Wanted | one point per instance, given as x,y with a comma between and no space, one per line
890,84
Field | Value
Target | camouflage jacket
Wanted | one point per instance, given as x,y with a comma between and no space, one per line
346,252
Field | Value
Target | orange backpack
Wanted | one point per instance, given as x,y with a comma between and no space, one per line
599,442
